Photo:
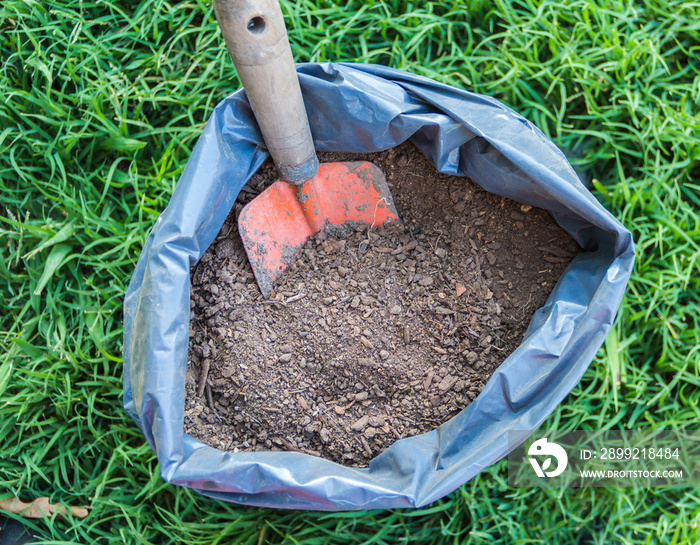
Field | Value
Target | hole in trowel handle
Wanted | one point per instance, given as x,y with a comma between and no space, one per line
256,25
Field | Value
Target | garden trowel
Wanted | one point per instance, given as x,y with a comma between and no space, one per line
309,198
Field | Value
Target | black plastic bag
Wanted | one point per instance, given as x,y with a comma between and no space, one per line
362,108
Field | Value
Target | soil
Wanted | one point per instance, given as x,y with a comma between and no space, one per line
373,336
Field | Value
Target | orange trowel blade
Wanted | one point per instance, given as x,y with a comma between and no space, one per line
277,223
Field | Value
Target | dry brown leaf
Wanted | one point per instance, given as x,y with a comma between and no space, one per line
39,508
459,288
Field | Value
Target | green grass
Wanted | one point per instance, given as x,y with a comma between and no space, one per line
100,106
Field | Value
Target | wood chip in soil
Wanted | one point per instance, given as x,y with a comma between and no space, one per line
373,336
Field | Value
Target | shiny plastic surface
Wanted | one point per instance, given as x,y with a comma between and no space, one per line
356,108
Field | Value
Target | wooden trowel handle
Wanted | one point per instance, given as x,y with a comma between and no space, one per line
256,39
